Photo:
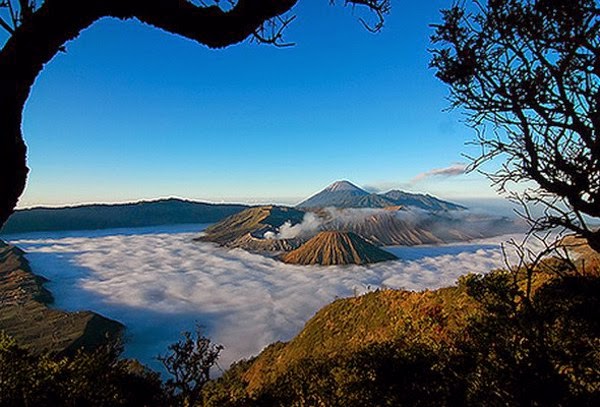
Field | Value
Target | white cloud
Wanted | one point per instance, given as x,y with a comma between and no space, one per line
159,284
384,186
308,227
453,170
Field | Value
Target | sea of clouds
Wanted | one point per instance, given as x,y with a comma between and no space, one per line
159,282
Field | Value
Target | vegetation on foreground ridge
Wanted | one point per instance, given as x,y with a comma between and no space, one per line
528,70
481,342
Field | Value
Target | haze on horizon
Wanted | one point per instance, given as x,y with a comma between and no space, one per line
131,113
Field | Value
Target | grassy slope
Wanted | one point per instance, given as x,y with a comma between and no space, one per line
349,324
433,318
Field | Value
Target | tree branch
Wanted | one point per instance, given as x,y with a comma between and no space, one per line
5,25
13,15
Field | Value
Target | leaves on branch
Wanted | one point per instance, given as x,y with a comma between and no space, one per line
189,362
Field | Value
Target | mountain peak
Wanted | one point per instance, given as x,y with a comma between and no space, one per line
344,194
344,185
338,194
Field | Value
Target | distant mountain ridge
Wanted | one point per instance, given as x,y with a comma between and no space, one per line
421,201
172,211
333,236
107,216
344,194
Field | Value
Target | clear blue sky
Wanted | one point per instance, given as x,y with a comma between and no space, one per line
130,112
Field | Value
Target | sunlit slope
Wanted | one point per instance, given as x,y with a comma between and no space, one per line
337,248
255,221
348,325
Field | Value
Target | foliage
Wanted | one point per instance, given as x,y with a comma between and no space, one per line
427,318
389,374
508,351
529,70
189,362
229,389
483,342
540,353
97,378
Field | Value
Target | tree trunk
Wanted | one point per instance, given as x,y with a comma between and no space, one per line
31,46
43,34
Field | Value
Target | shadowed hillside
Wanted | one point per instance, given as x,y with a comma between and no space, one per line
25,316
139,214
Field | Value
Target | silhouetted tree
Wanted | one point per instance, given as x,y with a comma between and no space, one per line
189,362
86,378
527,72
38,30
541,353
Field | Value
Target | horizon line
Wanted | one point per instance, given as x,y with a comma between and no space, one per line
285,201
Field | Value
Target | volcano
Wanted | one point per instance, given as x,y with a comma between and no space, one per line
337,248
250,223
344,194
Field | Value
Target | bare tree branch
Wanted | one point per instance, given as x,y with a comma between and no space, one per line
43,29
528,70
5,25
13,14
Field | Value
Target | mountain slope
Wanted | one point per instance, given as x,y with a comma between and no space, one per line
411,228
344,194
339,194
25,315
351,324
420,201
139,214
337,248
397,347
247,229
255,221
382,228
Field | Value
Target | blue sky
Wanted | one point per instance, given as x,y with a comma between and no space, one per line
130,112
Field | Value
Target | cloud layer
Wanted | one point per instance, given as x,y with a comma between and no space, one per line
159,284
